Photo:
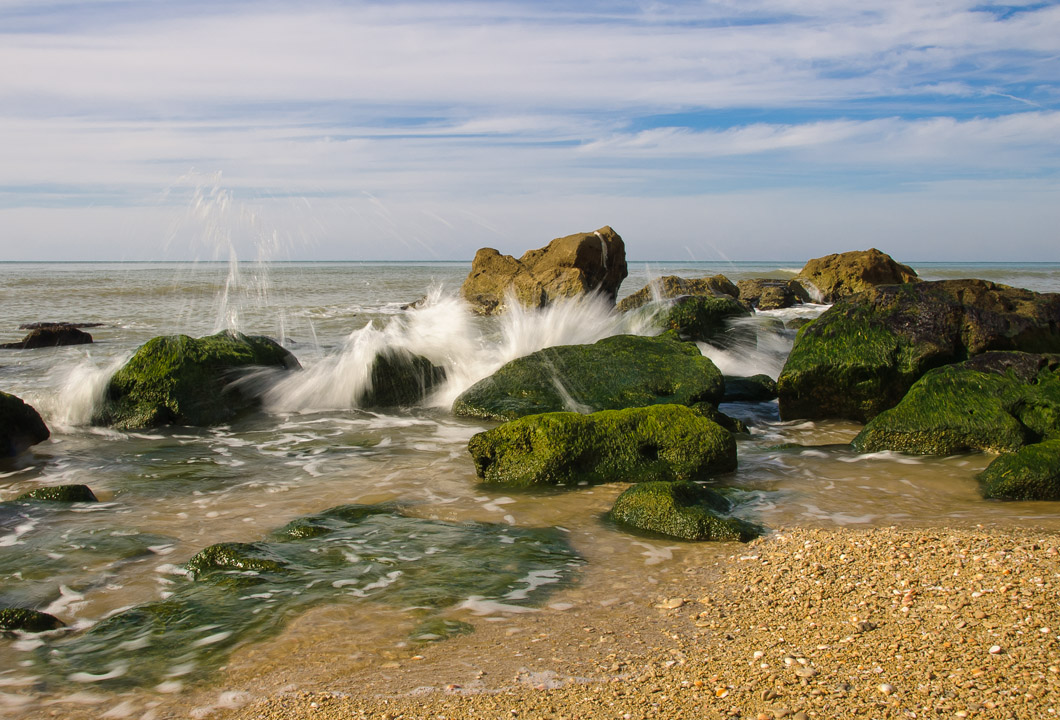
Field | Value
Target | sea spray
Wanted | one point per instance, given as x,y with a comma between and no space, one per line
81,387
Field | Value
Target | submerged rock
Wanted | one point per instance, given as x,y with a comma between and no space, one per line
616,372
772,294
21,426
661,442
61,493
50,336
756,388
862,355
566,267
995,402
178,380
1030,473
399,377
840,275
672,286
683,510
706,318
25,620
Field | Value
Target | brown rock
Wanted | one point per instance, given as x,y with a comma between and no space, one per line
566,267
50,336
770,294
671,286
839,275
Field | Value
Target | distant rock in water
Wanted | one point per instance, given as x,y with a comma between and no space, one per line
20,426
40,325
841,275
862,355
178,380
566,267
771,294
50,336
671,286
61,493
400,378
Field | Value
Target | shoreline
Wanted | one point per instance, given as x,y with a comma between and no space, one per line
888,622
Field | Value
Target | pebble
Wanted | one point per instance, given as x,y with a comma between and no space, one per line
671,604
887,688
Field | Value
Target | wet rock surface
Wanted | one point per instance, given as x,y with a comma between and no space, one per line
21,426
683,510
840,275
50,335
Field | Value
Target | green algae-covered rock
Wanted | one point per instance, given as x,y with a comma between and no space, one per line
661,442
20,426
755,388
772,294
995,401
400,378
671,286
1030,473
249,558
178,380
681,510
61,493
703,317
862,355
26,620
616,372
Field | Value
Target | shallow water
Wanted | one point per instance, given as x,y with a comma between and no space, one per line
168,494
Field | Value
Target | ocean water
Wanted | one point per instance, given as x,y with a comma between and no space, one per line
435,551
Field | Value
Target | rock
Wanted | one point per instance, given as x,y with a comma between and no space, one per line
706,318
616,372
862,355
20,426
39,325
671,286
25,620
710,412
662,442
250,559
61,493
50,336
179,380
994,402
681,510
840,275
756,388
771,294
400,378
566,267
1030,473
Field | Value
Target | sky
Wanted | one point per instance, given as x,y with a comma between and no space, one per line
411,130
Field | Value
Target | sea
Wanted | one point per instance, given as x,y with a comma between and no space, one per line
358,518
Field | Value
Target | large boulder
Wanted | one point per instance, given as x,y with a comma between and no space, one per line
178,380
399,377
616,372
682,510
840,275
662,442
706,318
862,355
672,286
566,267
1030,473
995,402
772,294
50,336
20,426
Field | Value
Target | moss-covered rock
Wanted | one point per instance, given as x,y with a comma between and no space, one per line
399,377
61,493
616,372
1030,473
862,355
755,388
772,294
671,286
681,510
249,558
703,317
712,413
662,442
995,401
178,380
843,274
25,620
20,426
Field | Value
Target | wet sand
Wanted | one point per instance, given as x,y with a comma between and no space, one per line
804,623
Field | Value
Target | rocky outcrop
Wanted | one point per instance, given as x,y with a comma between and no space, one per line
178,380
671,286
706,318
21,426
840,275
771,294
616,372
662,442
862,355
682,510
400,378
566,267
50,336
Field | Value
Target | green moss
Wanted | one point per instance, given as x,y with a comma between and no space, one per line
235,560
26,620
20,426
661,442
617,372
1030,473
702,317
180,380
681,510
61,493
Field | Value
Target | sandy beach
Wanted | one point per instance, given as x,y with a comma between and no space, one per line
803,623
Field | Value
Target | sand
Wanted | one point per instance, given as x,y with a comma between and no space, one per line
804,623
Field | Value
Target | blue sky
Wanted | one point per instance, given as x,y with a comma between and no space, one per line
425,130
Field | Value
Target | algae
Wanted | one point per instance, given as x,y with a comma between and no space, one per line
1030,473
683,510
